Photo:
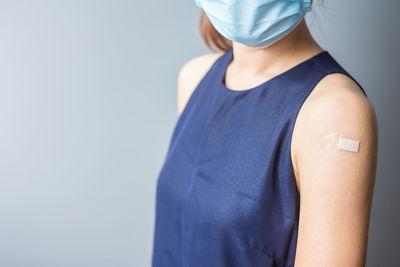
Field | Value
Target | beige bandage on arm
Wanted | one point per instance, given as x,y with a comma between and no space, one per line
348,144
335,141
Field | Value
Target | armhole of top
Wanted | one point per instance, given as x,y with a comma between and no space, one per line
341,70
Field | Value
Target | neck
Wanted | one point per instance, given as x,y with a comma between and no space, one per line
295,47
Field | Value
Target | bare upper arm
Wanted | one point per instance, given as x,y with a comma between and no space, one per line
190,75
336,186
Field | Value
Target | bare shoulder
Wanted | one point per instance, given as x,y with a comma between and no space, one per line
191,74
336,185
335,106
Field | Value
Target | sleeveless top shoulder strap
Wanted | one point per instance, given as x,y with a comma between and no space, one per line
329,65
204,89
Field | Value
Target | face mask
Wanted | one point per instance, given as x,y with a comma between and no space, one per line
256,23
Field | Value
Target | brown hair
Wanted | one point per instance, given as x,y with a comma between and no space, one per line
213,39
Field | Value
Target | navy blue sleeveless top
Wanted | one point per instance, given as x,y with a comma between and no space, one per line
226,194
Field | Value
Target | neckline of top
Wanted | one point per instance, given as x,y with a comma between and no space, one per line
229,58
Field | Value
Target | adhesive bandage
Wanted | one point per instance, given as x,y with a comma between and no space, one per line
348,144
335,142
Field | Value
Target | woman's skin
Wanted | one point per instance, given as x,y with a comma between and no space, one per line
336,187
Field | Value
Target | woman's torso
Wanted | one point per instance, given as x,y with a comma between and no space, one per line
226,193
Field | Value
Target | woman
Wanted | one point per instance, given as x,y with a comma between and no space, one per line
273,159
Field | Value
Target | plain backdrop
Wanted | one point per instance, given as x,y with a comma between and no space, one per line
88,105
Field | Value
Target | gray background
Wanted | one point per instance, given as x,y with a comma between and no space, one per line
88,104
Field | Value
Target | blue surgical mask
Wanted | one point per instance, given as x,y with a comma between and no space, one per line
256,23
